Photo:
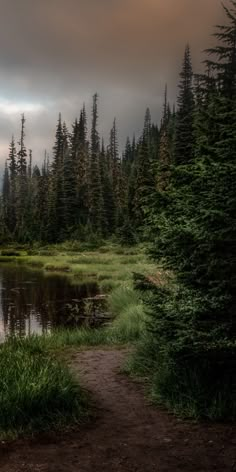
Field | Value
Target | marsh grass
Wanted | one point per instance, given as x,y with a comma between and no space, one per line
111,262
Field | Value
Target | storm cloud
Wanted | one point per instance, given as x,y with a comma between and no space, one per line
56,53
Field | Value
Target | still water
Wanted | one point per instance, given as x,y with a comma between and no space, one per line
34,302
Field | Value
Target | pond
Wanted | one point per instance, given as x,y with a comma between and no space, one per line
32,301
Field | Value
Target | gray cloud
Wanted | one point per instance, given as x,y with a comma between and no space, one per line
56,53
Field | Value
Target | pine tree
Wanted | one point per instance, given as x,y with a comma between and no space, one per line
193,321
184,120
21,185
127,158
164,154
144,179
70,190
80,153
117,177
96,203
30,164
13,177
109,216
22,154
57,210
6,196
43,197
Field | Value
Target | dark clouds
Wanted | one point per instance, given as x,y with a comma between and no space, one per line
56,53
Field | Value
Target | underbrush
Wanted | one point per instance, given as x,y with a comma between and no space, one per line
37,392
201,387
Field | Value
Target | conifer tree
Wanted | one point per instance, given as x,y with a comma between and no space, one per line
184,120
96,203
144,179
13,176
22,153
193,321
109,216
30,164
57,212
127,158
6,196
117,178
80,151
164,154
21,184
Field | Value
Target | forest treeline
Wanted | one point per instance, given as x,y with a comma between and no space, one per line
173,187
86,190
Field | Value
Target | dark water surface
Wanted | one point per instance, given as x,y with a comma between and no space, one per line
34,302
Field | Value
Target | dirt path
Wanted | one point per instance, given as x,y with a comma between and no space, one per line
129,435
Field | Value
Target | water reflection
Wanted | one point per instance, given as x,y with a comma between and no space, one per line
32,302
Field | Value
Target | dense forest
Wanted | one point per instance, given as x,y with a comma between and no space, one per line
86,190
173,187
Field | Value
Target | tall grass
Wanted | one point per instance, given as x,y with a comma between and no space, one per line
36,391
129,311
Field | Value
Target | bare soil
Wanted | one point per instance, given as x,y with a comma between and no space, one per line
127,435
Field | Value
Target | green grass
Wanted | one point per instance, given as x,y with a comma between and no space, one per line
37,392
129,312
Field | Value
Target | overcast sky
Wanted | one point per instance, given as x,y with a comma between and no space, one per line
55,54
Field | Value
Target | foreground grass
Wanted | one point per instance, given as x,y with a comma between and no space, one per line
37,392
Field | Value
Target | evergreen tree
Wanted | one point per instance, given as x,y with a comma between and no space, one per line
109,216
193,322
22,154
13,176
184,120
96,203
30,164
117,178
21,185
57,213
6,196
80,152
164,153
144,179
127,158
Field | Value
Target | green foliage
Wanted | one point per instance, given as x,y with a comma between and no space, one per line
192,326
127,235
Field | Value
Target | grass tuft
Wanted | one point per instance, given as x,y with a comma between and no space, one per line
37,393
